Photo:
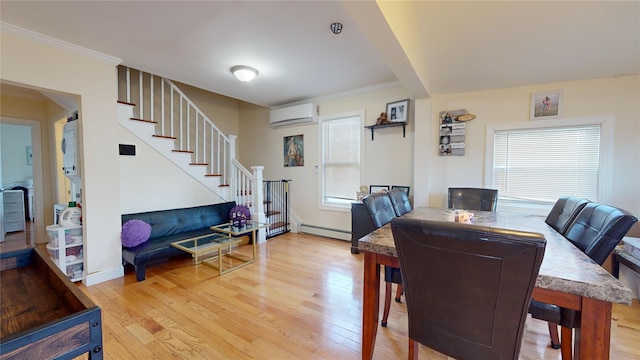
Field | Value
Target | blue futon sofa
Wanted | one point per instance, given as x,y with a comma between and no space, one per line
168,226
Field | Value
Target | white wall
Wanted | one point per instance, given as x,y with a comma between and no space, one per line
14,140
149,181
387,160
619,97
30,63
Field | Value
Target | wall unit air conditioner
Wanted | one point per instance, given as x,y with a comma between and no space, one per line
294,115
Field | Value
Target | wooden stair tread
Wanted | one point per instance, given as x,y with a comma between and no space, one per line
273,212
143,120
126,103
165,137
212,174
199,164
278,225
183,151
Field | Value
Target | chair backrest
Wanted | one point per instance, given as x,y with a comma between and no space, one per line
400,201
473,199
598,229
564,211
467,287
380,208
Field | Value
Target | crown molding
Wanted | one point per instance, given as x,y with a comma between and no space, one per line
57,43
344,94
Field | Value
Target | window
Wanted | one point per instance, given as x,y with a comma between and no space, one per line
532,164
340,163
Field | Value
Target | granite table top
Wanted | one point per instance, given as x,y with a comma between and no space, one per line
564,267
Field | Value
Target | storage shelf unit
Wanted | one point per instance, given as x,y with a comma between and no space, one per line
66,250
14,218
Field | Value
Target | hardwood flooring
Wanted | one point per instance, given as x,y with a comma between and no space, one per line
18,240
302,299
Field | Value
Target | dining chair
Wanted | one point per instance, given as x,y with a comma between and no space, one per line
596,231
473,199
400,201
467,288
564,211
382,211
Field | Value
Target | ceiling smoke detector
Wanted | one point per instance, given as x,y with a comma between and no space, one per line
336,28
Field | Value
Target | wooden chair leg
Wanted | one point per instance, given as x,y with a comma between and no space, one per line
387,304
399,293
413,349
567,343
553,333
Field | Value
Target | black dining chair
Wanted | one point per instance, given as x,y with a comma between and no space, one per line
382,211
596,230
473,199
467,288
400,201
564,211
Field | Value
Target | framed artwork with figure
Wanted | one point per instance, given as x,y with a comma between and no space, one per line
546,105
398,111
293,150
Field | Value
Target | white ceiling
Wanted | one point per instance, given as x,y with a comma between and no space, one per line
430,47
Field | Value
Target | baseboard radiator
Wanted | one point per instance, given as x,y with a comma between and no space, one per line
325,231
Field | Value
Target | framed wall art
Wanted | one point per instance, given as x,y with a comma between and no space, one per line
398,111
546,105
293,150
378,188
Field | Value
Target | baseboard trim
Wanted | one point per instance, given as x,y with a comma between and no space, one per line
103,276
326,232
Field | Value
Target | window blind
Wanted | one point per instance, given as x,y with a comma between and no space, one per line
340,160
544,164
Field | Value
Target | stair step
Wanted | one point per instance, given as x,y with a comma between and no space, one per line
212,174
278,225
144,120
165,137
273,212
199,164
224,185
126,103
183,151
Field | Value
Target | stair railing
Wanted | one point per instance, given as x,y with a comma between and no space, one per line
160,100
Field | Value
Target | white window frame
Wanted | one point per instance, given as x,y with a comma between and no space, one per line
346,205
606,124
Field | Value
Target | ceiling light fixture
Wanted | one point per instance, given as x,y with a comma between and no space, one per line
244,73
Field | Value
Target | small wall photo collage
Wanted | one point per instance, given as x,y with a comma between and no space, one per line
452,132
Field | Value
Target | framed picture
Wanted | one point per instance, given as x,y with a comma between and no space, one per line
378,188
405,188
398,111
546,105
293,150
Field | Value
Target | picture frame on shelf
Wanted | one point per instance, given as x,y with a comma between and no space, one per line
378,188
546,105
405,188
398,111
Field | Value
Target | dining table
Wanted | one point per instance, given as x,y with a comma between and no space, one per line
567,278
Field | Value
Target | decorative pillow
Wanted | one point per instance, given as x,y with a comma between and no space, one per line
135,232
240,211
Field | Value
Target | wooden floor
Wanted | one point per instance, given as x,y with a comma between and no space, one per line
300,300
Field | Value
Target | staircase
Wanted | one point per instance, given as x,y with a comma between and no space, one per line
160,114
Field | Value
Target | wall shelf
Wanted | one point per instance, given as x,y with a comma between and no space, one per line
373,127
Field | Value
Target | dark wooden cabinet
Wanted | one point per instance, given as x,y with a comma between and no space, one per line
361,224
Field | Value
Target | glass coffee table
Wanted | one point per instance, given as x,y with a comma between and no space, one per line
211,249
231,232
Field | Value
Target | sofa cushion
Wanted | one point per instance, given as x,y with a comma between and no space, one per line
135,232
